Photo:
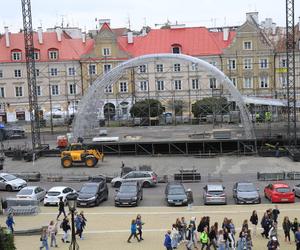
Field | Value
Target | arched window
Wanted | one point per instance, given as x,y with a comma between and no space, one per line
176,48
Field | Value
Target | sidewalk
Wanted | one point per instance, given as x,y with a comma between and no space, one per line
108,227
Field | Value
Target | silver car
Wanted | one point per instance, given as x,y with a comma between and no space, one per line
214,194
146,178
296,190
10,182
32,192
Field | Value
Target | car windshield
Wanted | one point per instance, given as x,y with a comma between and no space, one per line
88,189
128,189
176,190
246,188
9,177
25,191
282,190
53,193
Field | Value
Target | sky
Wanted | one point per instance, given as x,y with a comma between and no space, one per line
138,13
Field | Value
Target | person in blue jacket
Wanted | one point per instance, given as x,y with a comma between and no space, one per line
167,242
10,222
133,231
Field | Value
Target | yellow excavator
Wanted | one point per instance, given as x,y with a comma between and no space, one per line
77,154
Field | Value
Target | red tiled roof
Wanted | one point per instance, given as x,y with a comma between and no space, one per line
197,41
69,49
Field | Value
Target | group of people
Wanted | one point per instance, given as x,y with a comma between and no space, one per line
224,236
136,229
51,230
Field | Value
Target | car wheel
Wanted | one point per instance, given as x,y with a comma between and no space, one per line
66,161
117,184
8,188
146,184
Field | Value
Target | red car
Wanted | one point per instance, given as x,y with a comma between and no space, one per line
279,192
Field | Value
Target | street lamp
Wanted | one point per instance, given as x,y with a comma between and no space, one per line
72,199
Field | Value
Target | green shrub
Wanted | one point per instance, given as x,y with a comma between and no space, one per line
6,239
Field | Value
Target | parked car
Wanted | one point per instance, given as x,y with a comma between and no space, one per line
296,190
53,195
32,192
92,194
146,178
175,194
10,182
246,193
279,192
214,194
129,194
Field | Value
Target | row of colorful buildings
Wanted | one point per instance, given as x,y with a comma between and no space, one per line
252,55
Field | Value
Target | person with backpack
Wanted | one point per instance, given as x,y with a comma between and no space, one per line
204,239
273,244
61,208
65,226
167,241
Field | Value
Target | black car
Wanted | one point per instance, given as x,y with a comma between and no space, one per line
92,194
129,194
175,194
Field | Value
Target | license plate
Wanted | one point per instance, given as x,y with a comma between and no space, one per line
284,199
83,204
177,203
125,203
248,202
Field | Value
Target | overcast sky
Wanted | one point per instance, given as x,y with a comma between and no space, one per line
82,13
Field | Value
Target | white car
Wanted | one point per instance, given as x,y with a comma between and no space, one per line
32,192
53,195
10,182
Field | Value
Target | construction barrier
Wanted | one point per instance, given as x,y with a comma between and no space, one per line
187,175
19,206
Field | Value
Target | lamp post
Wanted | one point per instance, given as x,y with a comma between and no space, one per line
72,199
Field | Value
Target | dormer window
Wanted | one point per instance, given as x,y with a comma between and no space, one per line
53,54
176,49
36,55
16,55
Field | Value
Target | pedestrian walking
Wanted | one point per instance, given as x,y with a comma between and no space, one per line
79,224
190,198
254,221
10,222
273,244
190,237
83,221
133,231
221,241
277,149
213,232
266,225
183,228
61,208
295,226
65,226
44,239
167,241
275,213
297,239
52,231
174,236
139,225
273,230
286,226
204,239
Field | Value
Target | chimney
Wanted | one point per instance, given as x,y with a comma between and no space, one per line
225,34
40,35
83,35
7,41
273,29
130,37
252,15
58,33
144,31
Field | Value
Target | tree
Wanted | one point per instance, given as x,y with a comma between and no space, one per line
6,239
210,105
141,108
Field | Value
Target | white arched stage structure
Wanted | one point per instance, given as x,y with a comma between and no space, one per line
86,120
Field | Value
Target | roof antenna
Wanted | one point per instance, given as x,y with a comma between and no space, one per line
129,24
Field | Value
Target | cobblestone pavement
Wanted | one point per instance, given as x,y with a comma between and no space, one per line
108,227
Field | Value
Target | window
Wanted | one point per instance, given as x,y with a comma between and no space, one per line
1,73
212,83
72,89
194,66
159,67
247,63
248,45
92,69
37,72
71,71
177,85
19,91
38,90
143,85
263,63
53,54
214,63
142,69
106,68
176,50
2,92
283,63
195,84
18,73
177,67
232,64
54,90
264,82
248,82
16,56
53,72
108,89
123,87
160,85
106,51
283,81
233,80
36,55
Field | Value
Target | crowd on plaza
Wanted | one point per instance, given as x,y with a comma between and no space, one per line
212,236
